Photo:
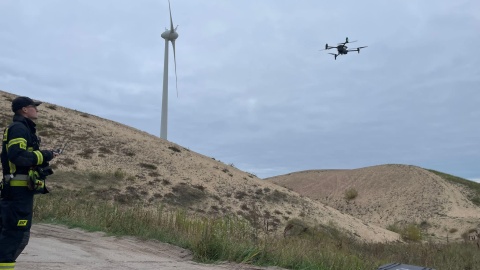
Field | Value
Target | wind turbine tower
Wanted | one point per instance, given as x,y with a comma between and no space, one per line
168,35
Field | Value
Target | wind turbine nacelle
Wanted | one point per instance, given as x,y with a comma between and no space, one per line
170,35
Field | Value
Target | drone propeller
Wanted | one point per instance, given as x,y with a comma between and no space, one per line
357,49
343,43
346,41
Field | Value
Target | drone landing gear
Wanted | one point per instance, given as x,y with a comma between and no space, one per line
334,54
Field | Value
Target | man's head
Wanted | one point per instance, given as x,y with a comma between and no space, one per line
25,106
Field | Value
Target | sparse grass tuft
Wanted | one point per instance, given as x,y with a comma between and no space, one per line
185,195
87,153
174,149
453,230
104,150
147,166
128,153
166,182
119,174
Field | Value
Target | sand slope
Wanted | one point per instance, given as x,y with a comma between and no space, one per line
389,194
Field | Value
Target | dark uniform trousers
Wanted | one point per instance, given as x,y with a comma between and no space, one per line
16,209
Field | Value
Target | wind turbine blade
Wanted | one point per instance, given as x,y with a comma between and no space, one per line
175,61
171,21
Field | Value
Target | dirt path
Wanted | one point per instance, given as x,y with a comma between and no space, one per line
57,247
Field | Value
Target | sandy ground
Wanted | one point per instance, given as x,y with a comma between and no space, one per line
57,247
392,193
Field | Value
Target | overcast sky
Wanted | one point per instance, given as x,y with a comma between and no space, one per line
254,89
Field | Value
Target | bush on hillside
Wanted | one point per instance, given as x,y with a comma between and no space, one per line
350,194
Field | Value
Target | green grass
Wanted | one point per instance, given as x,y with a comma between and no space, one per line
233,239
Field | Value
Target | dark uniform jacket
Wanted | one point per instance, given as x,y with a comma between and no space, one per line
20,148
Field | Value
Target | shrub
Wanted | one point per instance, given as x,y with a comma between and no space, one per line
453,230
128,153
104,150
174,149
412,233
350,194
148,166
119,174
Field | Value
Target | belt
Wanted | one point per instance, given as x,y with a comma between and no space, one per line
18,180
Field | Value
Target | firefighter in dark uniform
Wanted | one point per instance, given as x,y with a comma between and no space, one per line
25,168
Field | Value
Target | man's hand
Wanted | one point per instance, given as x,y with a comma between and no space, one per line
48,155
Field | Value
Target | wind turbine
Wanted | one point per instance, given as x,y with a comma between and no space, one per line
168,35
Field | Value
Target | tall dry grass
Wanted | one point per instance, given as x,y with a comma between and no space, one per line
233,239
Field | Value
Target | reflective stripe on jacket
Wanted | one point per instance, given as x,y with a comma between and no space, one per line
21,147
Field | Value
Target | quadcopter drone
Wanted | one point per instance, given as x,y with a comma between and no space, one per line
342,48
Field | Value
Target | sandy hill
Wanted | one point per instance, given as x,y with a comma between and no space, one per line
391,195
149,170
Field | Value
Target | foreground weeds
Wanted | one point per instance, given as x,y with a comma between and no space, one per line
233,239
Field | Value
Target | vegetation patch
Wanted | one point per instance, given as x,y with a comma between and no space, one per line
185,195
87,153
350,194
166,182
296,227
147,166
153,174
119,174
128,153
410,232
66,161
104,150
240,195
175,149
278,196
127,198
